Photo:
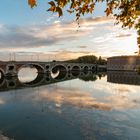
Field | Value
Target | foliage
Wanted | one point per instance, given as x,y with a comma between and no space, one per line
101,61
89,59
128,11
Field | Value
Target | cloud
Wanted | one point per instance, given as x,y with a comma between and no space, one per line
45,35
83,47
37,36
43,56
66,54
123,35
94,35
95,21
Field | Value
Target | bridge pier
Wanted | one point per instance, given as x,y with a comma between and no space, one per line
11,70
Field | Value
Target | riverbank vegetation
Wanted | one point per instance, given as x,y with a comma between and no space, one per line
89,59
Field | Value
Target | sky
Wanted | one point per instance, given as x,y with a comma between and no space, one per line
35,34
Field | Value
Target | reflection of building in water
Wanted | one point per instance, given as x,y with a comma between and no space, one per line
126,77
129,63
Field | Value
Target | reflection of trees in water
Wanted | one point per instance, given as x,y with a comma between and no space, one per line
92,76
100,75
89,78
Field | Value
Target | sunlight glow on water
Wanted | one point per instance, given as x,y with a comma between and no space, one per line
27,74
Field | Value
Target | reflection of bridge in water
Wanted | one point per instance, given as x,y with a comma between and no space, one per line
45,79
119,77
123,77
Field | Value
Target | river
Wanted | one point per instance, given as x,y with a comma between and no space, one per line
87,107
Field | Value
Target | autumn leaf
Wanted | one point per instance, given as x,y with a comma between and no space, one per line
108,11
59,10
32,3
70,11
51,3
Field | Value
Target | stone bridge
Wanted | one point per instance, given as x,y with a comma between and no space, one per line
11,68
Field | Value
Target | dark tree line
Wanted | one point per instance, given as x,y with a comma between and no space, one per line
89,59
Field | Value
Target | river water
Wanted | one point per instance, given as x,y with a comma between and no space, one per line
85,107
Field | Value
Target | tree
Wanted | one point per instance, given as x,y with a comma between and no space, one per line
101,61
91,59
126,12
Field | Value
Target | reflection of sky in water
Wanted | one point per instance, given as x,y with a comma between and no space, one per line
72,110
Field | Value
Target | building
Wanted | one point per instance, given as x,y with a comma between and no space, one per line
123,63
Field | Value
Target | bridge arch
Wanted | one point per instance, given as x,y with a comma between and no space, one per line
37,81
1,72
61,70
39,76
86,68
93,68
39,68
59,67
11,84
75,68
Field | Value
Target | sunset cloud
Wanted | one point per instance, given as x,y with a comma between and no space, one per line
95,35
45,35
